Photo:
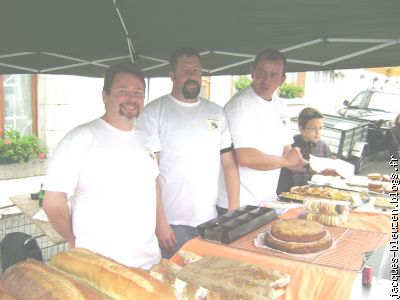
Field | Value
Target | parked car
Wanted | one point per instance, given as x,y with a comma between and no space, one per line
378,108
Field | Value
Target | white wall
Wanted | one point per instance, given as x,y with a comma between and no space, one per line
64,103
157,87
220,89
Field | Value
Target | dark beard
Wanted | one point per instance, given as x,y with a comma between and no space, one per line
187,93
129,116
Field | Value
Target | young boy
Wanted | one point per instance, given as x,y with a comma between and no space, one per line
311,124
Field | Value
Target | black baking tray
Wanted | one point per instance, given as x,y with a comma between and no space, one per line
235,224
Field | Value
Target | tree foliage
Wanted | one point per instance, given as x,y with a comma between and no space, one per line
242,82
291,90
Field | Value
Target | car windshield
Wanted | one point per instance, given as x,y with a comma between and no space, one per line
361,100
385,102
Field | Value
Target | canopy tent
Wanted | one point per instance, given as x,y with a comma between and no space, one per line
83,37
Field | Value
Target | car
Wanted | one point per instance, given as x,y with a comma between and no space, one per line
378,108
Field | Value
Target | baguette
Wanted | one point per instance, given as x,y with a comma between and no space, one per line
31,280
110,277
4,295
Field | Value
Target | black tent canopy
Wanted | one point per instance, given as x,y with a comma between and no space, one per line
83,37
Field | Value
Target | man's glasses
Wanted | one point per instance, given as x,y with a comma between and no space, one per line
314,129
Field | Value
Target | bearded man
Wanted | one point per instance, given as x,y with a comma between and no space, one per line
108,172
191,139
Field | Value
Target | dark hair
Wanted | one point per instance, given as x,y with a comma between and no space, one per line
271,54
112,71
187,51
308,114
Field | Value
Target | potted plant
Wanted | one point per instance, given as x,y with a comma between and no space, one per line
21,155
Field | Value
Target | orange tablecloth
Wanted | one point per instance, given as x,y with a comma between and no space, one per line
308,281
368,221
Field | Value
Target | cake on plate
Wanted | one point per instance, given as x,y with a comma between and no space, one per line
298,236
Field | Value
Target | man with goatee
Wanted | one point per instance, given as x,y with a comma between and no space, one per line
191,139
109,170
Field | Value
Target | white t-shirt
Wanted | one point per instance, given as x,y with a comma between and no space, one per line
111,175
188,137
256,123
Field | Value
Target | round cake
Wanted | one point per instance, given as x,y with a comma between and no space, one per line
298,236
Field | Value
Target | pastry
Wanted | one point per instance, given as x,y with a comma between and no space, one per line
374,176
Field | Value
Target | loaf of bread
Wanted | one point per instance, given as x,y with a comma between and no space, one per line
110,277
4,295
31,280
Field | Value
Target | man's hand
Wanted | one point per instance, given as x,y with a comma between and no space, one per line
329,172
166,237
292,157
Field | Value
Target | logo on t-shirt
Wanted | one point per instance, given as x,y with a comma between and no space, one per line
150,153
213,123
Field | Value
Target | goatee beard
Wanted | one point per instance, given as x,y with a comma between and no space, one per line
187,93
128,115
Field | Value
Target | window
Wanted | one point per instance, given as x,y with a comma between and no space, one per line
385,101
18,103
324,77
361,100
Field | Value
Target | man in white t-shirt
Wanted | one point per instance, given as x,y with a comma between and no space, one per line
110,174
260,136
191,138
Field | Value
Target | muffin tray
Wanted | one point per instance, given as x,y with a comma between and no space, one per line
235,224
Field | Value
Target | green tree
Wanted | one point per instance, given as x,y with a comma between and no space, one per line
242,82
291,90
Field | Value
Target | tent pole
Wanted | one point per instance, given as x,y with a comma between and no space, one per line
148,90
132,51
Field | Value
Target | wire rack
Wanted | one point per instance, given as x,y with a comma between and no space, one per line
19,223
348,252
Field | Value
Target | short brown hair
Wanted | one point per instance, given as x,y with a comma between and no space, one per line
187,51
308,114
112,71
271,54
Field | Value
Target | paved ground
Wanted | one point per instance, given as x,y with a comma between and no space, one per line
378,163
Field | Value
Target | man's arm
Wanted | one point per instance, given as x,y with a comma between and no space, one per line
232,179
165,234
55,205
255,159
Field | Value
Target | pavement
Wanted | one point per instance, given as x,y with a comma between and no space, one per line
377,163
